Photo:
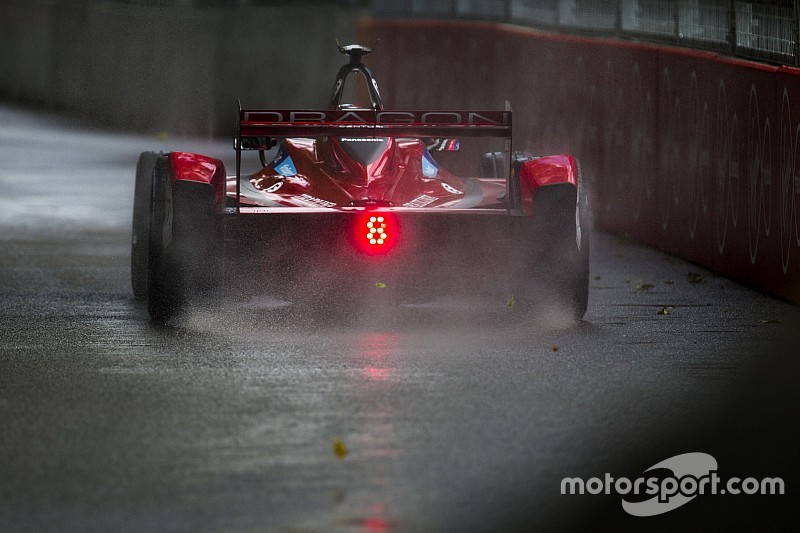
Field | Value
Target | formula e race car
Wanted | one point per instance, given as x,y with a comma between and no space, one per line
356,202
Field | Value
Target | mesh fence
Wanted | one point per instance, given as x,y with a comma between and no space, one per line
766,29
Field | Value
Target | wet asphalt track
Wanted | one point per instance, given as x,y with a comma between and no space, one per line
226,420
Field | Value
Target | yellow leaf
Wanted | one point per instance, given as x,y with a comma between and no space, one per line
665,310
339,449
694,277
380,285
162,136
511,301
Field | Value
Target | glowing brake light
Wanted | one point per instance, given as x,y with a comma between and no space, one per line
377,235
375,232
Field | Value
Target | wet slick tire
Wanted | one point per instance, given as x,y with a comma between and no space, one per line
559,258
184,243
140,234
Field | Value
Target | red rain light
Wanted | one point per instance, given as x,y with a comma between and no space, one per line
375,233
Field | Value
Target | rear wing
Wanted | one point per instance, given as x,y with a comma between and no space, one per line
307,123
259,128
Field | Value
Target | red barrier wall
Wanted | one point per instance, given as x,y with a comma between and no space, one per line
686,150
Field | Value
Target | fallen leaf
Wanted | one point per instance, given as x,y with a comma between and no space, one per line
511,301
642,286
694,277
555,348
665,310
669,282
339,449
769,321
380,285
163,136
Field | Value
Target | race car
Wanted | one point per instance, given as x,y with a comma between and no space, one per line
355,202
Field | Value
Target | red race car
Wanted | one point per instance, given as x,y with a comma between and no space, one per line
354,202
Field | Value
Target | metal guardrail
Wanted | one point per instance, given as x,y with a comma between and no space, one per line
765,30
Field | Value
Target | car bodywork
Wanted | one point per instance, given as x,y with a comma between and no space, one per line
359,190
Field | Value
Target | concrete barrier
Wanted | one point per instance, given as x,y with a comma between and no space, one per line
689,151
178,70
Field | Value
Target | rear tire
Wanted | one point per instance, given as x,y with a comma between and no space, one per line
184,243
580,270
140,234
559,255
